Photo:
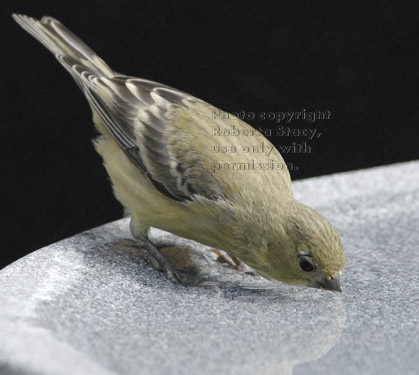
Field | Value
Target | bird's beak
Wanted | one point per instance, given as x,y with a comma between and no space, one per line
327,283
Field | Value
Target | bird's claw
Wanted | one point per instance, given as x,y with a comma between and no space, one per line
161,263
233,262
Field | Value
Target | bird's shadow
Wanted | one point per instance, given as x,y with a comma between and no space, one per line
191,258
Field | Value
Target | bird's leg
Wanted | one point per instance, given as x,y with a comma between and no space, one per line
161,263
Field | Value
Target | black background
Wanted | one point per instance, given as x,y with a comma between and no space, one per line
357,60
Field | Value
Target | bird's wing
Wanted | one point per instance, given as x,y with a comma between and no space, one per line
121,102
144,117
172,139
165,132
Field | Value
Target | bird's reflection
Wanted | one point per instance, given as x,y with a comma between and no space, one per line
266,327
269,331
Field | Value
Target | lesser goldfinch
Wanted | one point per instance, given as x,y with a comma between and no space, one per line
177,164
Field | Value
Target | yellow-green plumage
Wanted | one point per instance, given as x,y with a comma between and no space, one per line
161,149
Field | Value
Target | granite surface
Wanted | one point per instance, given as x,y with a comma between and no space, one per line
92,304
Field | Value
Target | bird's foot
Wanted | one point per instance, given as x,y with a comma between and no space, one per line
160,261
233,262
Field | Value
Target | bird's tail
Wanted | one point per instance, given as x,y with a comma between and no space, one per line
68,48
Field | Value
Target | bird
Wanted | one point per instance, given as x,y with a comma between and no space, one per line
159,146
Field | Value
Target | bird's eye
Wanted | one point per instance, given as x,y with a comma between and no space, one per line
306,263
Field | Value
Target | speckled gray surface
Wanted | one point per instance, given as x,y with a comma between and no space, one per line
91,304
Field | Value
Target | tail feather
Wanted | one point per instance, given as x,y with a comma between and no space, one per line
63,43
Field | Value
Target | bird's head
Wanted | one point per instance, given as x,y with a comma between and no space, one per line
301,248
